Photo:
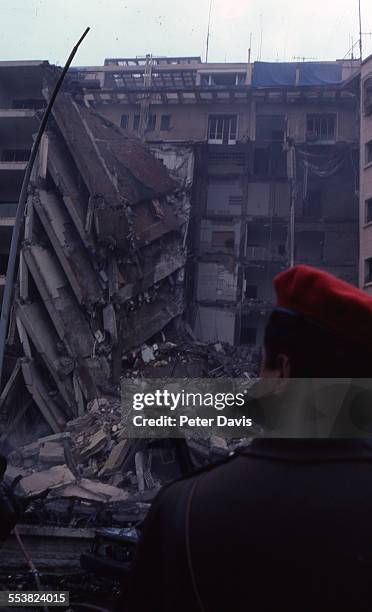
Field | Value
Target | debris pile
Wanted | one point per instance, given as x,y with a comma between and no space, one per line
83,462
191,359
93,461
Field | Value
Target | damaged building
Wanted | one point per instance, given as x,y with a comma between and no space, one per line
362,82
101,264
167,187
20,99
274,164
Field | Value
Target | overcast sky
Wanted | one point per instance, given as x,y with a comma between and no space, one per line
281,29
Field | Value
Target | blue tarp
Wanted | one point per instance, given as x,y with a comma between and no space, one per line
322,73
276,74
273,74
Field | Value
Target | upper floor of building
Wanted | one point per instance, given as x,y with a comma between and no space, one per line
186,100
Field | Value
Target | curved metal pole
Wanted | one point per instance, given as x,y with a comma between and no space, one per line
11,268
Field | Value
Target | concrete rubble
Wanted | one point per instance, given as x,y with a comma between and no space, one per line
92,461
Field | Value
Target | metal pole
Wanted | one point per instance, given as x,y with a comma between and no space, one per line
292,206
360,32
209,31
11,268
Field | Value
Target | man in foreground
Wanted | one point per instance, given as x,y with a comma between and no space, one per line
286,524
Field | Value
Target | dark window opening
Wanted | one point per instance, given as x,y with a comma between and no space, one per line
248,335
165,123
270,160
223,239
369,152
3,263
251,292
222,129
261,161
228,78
282,249
369,210
321,127
278,160
224,79
270,127
368,270
15,155
368,96
136,122
151,125
313,205
124,122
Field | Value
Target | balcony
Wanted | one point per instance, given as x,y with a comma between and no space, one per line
13,166
16,113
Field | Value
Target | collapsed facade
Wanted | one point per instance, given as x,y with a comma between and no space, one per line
101,264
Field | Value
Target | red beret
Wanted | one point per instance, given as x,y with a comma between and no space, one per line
332,302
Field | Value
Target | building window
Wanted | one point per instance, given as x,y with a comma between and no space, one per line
270,128
321,128
151,125
368,96
313,204
15,155
282,250
227,79
124,122
222,129
368,270
223,239
118,80
251,292
136,122
368,217
261,162
165,123
369,152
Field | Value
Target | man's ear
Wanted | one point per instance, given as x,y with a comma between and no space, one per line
283,365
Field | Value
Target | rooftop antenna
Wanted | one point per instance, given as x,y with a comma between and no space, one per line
250,48
209,31
261,33
360,31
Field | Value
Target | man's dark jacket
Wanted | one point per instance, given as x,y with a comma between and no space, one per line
286,525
